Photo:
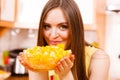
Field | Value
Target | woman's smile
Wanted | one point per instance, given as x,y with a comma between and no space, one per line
55,42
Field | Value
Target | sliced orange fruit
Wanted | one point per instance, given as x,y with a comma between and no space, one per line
45,58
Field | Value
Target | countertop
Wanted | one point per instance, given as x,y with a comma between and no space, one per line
18,78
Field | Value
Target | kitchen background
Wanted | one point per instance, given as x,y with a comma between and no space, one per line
23,38
25,35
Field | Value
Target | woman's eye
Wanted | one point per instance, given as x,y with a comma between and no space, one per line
46,27
63,27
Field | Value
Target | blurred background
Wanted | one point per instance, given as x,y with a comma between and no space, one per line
19,21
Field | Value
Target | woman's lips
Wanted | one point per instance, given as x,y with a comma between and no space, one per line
55,42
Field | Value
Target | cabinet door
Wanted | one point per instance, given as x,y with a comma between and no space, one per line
29,12
7,10
26,13
87,10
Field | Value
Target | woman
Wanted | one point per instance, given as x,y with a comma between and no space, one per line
61,22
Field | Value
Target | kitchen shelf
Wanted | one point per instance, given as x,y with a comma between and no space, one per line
18,25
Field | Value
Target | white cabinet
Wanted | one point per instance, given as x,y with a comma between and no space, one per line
21,13
7,9
29,11
87,10
26,13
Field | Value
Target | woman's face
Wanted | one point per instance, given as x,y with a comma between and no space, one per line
56,29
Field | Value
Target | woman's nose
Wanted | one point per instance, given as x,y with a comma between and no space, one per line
54,33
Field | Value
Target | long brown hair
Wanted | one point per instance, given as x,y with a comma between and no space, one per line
77,45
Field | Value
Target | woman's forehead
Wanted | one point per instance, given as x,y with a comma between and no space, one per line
55,15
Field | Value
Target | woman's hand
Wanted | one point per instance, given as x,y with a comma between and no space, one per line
22,60
33,73
64,66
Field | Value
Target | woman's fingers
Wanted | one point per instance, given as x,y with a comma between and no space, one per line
68,62
60,67
72,57
65,65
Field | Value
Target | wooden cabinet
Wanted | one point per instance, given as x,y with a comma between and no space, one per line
7,10
29,12
100,21
20,13
7,13
88,13
94,17
26,13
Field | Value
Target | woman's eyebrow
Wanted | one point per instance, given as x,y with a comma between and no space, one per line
46,23
65,23
61,23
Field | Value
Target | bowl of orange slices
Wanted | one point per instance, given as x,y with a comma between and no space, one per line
45,57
